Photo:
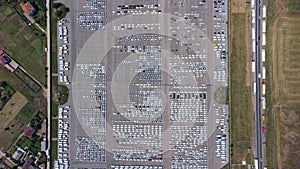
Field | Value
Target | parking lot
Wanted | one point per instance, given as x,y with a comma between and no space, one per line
171,119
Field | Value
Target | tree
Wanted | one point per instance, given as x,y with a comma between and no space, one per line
3,84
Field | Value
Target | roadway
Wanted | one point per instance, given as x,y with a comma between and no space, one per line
48,15
258,83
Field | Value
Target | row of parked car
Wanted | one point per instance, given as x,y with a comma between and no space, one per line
63,51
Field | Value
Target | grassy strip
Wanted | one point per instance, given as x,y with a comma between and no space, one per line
240,102
270,135
53,150
54,128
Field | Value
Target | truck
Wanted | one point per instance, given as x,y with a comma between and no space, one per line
256,163
263,88
253,66
263,39
263,117
264,14
263,102
263,55
263,73
253,33
264,26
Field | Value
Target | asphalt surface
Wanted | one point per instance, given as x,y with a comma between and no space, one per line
77,38
48,82
258,85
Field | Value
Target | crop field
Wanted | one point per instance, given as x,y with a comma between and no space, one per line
11,109
286,92
8,113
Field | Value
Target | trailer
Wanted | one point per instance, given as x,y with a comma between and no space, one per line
253,46
264,39
263,55
253,33
264,26
263,88
252,4
256,163
264,14
253,13
254,87
253,66
263,73
263,102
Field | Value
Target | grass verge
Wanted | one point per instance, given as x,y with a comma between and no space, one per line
240,102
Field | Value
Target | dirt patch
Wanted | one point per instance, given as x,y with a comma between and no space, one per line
238,6
221,95
15,20
11,109
248,55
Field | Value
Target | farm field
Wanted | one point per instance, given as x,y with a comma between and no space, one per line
7,115
11,109
286,91
283,96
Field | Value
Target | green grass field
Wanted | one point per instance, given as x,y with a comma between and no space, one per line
54,150
54,129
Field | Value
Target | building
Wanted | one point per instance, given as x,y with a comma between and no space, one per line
7,61
28,8
43,145
19,154
28,131
28,163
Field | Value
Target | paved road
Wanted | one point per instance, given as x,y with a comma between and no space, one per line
258,83
48,82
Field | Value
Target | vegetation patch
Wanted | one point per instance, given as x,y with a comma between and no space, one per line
33,143
60,10
5,93
8,11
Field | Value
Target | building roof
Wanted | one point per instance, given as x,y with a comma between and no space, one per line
43,145
28,131
27,8
4,60
17,155
28,162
